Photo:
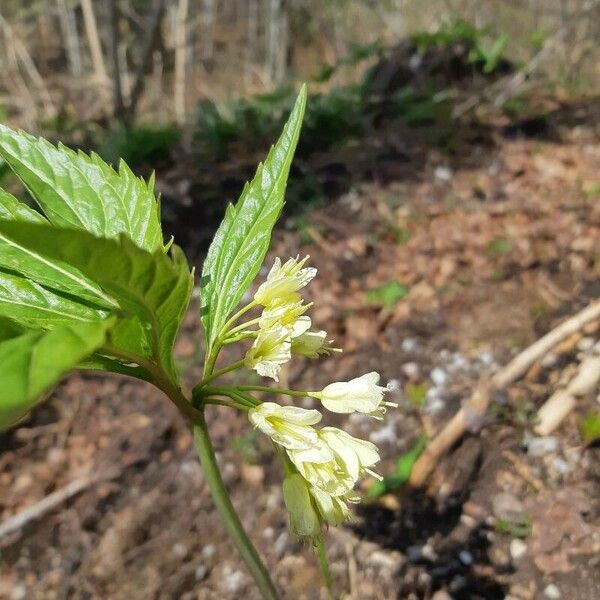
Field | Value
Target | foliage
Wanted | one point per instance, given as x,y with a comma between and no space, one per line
589,427
387,295
139,144
401,474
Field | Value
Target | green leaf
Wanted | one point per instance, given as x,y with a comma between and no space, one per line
589,427
12,209
242,240
33,361
83,192
387,295
35,306
153,289
401,473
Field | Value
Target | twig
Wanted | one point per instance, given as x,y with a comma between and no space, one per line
479,401
560,404
50,502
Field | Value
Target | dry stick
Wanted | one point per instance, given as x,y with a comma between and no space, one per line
91,30
50,502
477,404
180,61
21,53
560,404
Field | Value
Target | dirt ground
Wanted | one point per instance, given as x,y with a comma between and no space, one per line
490,249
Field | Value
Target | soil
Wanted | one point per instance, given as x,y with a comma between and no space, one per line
493,247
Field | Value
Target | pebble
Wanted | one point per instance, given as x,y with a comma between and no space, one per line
209,551
552,592
549,360
465,557
234,580
441,595
585,344
439,377
443,173
411,370
201,572
385,434
428,552
179,550
539,446
507,507
393,385
518,549
281,543
561,466
408,345
268,533
19,592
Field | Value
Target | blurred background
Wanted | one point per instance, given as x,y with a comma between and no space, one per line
447,187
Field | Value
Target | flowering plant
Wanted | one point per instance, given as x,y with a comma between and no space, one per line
88,283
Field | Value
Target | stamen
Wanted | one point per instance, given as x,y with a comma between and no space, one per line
391,404
373,474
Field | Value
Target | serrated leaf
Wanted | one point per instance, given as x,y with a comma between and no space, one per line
33,361
242,240
151,287
83,192
38,307
12,209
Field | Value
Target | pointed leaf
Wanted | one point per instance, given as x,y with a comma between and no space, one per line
37,307
33,361
242,240
81,191
12,209
151,287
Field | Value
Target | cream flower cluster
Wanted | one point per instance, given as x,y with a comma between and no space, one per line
284,329
323,464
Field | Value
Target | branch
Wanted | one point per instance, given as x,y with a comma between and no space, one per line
477,404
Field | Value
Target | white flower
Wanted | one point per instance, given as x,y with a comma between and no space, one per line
271,349
357,395
289,316
284,281
304,519
333,509
289,426
353,456
312,344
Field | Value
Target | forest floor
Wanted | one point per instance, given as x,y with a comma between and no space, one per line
471,260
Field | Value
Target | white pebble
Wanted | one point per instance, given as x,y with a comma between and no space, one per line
443,173
439,377
518,549
552,592
411,370
179,550
539,446
409,345
201,572
281,543
466,558
209,551
268,533
385,434
561,466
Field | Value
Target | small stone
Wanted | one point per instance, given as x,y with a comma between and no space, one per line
585,344
507,507
443,173
281,543
429,553
409,345
268,533
539,446
201,572
549,360
411,370
385,434
465,557
518,549
439,377
179,550
19,592
209,551
393,385
552,592
561,466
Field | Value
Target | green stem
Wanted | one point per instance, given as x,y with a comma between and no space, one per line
230,518
238,314
219,372
321,553
270,390
243,326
